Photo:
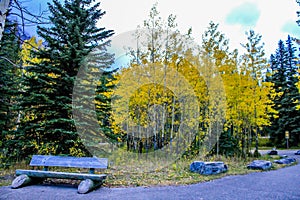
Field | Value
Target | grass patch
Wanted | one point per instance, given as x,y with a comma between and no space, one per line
7,175
176,174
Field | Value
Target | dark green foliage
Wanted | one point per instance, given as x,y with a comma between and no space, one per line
263,142
228,145
47,100
9,60
284,77
10,74
103,105
256,154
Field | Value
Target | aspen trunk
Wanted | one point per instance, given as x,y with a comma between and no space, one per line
3,11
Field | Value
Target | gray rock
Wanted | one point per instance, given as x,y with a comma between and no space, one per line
273,152
208,168
285,161
260,164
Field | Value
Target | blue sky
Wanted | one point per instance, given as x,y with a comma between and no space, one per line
247,14
274,19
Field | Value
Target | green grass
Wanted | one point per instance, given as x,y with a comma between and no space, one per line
175,174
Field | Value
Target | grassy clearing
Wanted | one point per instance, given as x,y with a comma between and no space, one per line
178,173
175,174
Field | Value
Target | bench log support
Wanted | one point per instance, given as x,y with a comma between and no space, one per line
88,185
92,171
24,180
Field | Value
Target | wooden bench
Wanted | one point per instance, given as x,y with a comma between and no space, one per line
89,181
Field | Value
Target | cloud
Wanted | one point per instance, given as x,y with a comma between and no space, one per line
246,14
291,28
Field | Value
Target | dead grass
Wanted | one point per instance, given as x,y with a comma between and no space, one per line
7,175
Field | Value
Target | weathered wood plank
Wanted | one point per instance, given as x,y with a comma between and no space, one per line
66,161
87,185
62,175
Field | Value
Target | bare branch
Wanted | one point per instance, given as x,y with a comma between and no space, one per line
29,22
11,62
28,18
22,15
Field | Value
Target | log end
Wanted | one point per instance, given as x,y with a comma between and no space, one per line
21,181
87,185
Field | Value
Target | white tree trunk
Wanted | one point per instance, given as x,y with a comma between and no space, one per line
3,11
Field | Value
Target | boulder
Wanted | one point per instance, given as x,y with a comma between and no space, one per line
298,152
285,161
208,168
260,164
273,152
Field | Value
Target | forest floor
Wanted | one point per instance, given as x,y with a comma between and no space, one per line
177,173
274,184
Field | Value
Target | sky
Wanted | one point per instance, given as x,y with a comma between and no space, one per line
273,19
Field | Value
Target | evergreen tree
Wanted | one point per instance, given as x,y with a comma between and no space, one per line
293,125
103,100
49,84
298,42
10,75
284,77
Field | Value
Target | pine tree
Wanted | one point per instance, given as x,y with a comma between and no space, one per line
47,99
284,77
298,42
293,125
103,101
10,75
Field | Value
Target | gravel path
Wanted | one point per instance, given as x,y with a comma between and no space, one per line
280,184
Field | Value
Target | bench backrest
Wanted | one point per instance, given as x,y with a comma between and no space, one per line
67,161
